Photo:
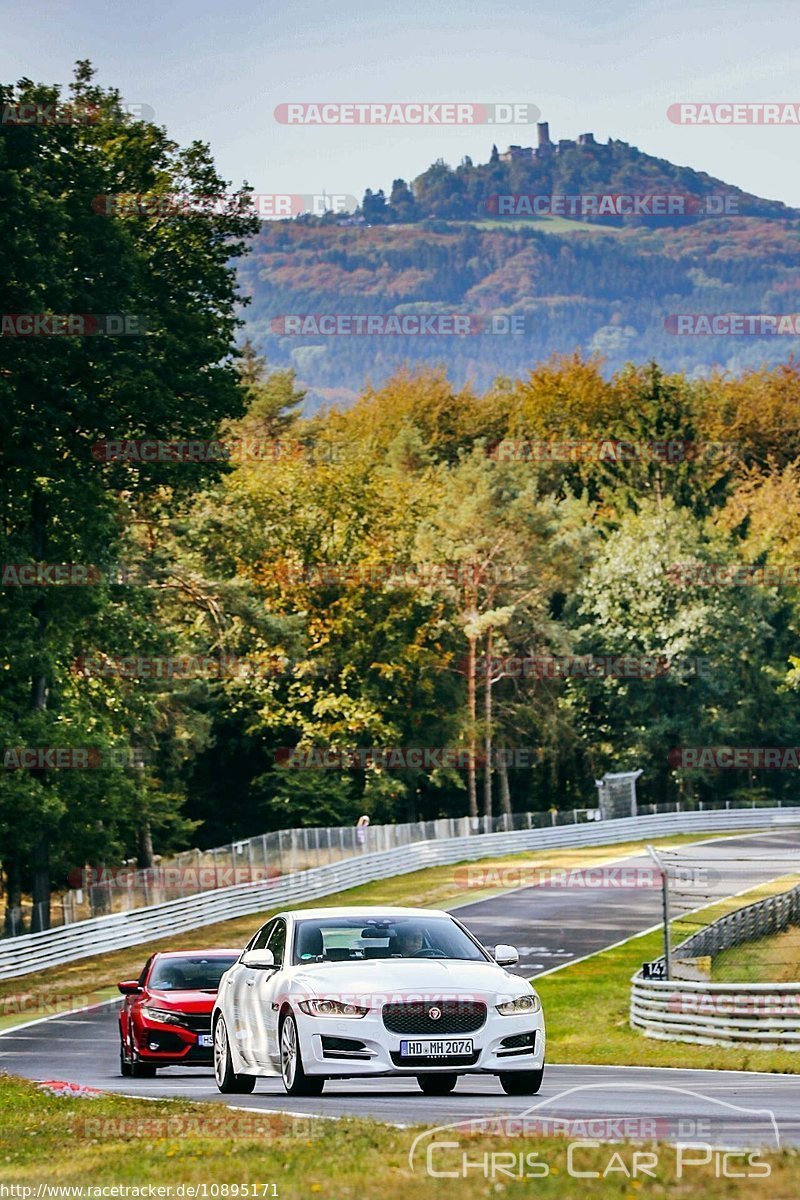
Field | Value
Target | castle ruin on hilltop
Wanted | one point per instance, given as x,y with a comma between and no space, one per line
544,147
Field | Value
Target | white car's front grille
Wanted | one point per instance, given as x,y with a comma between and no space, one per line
432,1016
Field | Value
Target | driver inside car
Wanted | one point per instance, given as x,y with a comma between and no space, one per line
407,942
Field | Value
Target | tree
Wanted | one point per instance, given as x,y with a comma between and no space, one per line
494,533
373,206
713,651
402,202
273,401
251,367
168,276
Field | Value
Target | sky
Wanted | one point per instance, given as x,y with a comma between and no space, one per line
216,72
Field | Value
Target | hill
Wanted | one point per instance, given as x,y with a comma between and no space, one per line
459,241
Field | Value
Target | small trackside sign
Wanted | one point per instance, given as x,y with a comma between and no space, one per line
654,970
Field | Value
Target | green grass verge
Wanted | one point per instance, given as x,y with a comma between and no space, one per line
773,959
586,1007
110,1142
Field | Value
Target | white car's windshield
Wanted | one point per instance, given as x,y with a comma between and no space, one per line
345,939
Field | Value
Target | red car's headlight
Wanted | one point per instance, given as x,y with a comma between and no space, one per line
162,1015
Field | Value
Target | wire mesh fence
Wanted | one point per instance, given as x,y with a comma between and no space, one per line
101,890
748,924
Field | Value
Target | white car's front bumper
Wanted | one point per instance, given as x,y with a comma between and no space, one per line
378,1052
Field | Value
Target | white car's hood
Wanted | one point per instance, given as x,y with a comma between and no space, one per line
399,978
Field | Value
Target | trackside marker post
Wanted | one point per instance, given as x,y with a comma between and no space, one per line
656,857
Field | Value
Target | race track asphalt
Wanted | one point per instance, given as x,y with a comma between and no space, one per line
552,925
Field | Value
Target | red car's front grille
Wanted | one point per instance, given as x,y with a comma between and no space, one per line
198,1022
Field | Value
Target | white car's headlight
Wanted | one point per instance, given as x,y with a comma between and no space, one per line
529,1003
162,1015
331,1008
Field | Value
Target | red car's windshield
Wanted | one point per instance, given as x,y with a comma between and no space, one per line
184,973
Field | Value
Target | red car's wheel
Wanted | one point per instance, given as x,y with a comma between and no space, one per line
142,1070
124,1065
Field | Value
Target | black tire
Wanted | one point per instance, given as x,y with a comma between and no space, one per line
226,1078
295,1080
437,1085
124,1066
521,1083
142,1070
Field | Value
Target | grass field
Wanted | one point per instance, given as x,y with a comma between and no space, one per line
92,1143
547,224
769,960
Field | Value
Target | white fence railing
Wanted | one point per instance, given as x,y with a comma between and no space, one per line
764,1015
37,951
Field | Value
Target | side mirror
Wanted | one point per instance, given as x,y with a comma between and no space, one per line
130,987
263,960
506,956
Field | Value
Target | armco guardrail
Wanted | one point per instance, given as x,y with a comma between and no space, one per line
765,1015
100,891
37,951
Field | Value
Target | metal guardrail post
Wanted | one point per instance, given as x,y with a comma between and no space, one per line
665,905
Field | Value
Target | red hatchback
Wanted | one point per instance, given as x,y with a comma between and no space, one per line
166,1018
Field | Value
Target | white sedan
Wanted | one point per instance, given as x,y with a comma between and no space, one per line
337,993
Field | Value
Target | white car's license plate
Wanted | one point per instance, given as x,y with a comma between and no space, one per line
205,1039
436,1047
